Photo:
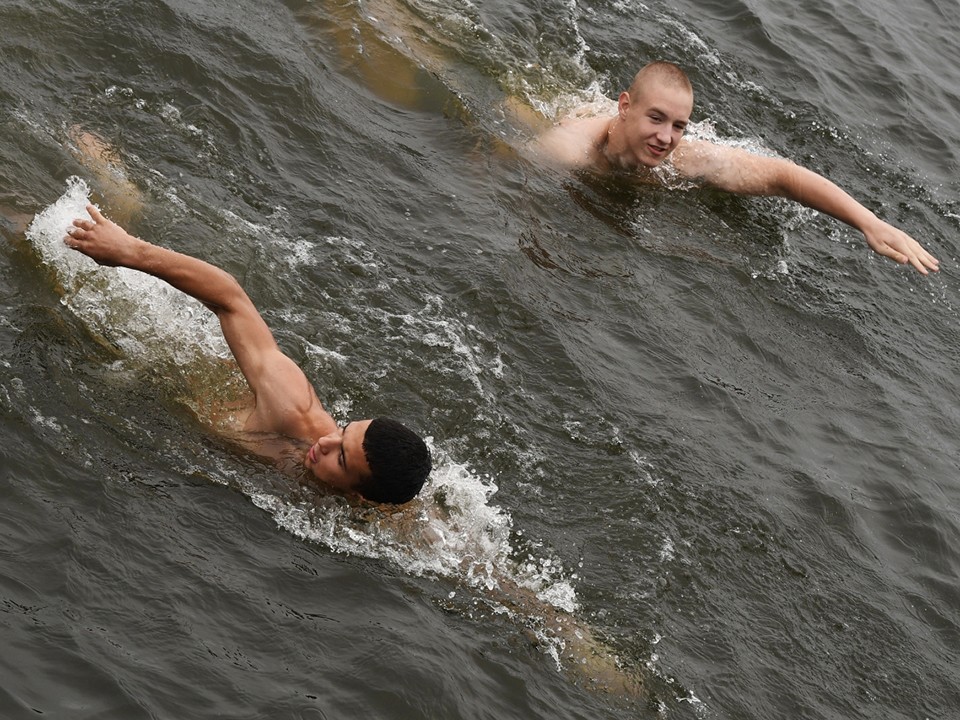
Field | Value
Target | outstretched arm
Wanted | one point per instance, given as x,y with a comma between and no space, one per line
248,336
739,171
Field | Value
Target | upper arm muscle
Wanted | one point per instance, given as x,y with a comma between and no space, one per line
250,340
731,169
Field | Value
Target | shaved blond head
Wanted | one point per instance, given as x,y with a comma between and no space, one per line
660,71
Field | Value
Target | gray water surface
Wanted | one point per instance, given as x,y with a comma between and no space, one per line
718,431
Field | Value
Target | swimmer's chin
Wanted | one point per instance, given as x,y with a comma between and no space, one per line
654,161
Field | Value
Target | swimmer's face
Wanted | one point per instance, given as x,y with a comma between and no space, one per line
654,119
338,460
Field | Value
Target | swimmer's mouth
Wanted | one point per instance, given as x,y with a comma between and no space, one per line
311,454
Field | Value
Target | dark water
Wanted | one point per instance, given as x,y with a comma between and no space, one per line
718,431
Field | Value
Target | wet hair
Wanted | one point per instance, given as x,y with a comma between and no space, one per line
399,462
662,71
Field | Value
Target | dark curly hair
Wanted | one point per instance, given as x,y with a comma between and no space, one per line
399,462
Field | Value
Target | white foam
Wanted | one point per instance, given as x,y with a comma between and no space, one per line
586,102
137,312
451,531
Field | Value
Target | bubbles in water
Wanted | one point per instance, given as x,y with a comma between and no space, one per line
667,550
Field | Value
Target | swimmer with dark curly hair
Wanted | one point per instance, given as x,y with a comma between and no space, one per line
379,459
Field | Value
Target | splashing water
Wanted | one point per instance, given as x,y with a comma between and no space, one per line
141,315
451,531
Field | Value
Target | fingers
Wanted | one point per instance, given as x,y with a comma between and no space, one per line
903,249
85,224
77,232
895,255
915,261
95,214
929,260
74,235
71,239
921,259
924,261
904,258
81,227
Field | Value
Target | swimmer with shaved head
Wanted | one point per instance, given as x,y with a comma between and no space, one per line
648,130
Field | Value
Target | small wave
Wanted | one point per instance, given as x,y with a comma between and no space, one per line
451,531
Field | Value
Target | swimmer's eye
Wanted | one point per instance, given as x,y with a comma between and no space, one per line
341,457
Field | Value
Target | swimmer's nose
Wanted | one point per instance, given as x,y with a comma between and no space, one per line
328,442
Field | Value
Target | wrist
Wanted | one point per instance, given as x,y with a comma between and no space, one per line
869,222
140,254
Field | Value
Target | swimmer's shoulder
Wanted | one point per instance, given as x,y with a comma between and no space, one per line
573,141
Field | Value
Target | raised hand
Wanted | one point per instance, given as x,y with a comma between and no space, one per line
103,240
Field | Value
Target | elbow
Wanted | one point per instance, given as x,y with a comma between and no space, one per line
788,181
229,295
234,294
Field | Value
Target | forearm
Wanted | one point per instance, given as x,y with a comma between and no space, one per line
214,287
246,333
738,171
815,191
109,244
